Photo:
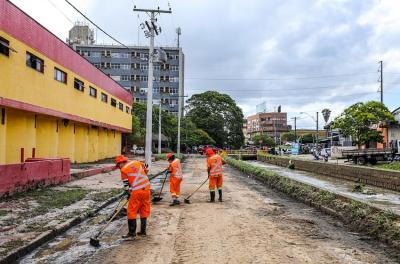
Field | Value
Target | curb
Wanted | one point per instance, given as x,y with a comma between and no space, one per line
87,173
51,234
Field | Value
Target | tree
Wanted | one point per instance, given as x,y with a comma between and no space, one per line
358,120
137,135
326,113
263,140
193,136
288,136
307,138
219,116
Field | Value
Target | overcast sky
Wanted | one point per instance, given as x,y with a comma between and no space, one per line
305,55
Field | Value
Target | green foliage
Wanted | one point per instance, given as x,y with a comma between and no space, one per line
288,136
307,138
137,135
193,136
358,119
389,166
162,156
264,139
219,116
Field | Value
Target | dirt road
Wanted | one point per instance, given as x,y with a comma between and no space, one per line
252,225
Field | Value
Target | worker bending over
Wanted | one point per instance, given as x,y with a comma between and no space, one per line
214,170
175,179
137,189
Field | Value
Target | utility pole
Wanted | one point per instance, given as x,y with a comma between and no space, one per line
295,127
317,132
180,98
159,128
381,80
149,33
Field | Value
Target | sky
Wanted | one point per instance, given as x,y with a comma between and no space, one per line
305,55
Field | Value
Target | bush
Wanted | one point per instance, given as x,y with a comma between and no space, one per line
162,156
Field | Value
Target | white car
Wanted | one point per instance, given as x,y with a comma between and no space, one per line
138,151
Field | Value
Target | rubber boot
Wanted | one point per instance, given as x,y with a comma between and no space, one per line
131,229
220,195
175,202
212,197
143,224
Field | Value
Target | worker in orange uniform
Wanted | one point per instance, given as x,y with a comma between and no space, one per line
137,188
175,179
214,169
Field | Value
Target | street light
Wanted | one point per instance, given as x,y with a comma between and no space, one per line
316,121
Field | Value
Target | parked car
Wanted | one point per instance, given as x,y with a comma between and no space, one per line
139,151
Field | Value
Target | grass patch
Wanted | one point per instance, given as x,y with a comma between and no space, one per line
3,212
102,196
51,199
383,225
12,244
389,166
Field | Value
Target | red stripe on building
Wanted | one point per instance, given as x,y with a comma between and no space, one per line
46,111
22,27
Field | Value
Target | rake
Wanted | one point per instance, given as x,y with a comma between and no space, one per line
187,199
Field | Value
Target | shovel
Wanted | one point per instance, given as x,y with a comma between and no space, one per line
159,198
187,199
94,241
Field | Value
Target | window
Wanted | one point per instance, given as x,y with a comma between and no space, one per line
60,76
115,66
106,53
121,106
125,66
127,110
143,78
79,85
157,67
34,62
174,79
4,46
135,65
173,90
86,53
143,90
93,92
125,55
174,68
144,66
156,90
125,77
97,65
96,54
116,77
104,97
113,102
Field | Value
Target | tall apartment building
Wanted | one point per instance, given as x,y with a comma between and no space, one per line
53,102
129,67
272,124
80,33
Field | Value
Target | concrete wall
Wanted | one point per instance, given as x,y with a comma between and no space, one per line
381,178
50,137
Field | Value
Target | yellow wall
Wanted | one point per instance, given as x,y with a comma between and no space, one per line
20,82
87,144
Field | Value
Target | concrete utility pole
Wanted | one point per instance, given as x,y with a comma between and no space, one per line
317,132
381,80
180,93
152,29
159,128
295,127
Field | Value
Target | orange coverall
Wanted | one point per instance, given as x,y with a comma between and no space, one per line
134,177
175,179
214,166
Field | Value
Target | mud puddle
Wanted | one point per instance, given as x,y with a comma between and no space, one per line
381,198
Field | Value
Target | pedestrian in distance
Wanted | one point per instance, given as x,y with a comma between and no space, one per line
175,179
214,171
137,191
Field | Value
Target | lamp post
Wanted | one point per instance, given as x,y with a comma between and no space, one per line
316,121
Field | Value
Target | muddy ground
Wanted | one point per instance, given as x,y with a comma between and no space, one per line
253,225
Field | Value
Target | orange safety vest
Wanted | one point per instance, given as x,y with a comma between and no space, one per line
175,169
134,175
215,165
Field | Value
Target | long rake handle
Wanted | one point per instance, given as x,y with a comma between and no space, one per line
112,218
196,189
162,187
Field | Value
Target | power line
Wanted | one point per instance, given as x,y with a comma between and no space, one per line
278,79
93,23
60,11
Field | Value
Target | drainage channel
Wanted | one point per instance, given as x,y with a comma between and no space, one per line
73,246
375,196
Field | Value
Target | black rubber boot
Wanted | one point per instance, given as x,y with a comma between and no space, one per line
143,224
131,229
212,197
175,202
220,195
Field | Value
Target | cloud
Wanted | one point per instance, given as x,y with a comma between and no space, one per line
240,41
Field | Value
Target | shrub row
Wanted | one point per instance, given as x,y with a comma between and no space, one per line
382,225
162,156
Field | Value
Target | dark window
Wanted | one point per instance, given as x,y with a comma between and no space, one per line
79,85
121,106
127,109
93,92
60,76
34,62
104,97
113,102
4,46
